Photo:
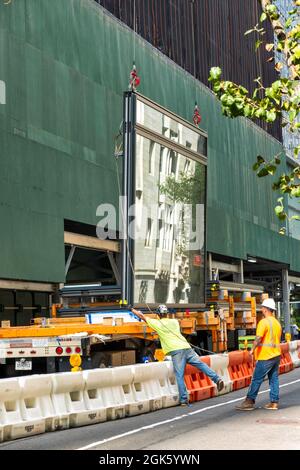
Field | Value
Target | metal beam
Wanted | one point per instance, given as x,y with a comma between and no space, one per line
69,260
165,142
286,298
294,279
254,267
114,267
210,266
242,271
241,287
232,268
129,138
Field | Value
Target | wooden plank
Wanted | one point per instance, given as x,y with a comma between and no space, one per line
92,243
210,322
26,285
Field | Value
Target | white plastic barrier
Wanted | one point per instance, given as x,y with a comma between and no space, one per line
172,382
36,402
147,385
12,423
123,390
92,394
294,348
167,382
219,363
103,395
67,397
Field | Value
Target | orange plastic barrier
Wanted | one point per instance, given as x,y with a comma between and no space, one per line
199,386
286,363
240,369
248,367
236,370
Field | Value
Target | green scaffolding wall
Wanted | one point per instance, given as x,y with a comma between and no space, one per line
66,64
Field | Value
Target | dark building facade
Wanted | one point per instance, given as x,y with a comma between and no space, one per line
200,34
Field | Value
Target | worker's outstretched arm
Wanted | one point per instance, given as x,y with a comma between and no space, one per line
138,314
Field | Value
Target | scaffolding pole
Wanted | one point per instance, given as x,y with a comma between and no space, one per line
286,303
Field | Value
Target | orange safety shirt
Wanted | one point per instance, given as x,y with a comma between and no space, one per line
269,329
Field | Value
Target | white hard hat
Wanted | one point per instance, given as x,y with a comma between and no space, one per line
269,303
162,309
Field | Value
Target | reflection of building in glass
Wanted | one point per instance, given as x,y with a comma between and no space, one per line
167,182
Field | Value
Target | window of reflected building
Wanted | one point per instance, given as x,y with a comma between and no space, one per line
170,193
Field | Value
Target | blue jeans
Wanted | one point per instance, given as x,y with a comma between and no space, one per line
180,358
263,368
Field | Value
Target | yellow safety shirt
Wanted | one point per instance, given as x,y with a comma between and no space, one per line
269,329
168,330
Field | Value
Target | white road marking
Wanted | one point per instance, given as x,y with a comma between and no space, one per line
177,418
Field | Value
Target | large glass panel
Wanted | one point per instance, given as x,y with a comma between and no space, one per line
168,227
170,128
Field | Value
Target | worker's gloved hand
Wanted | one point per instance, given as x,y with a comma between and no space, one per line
136,312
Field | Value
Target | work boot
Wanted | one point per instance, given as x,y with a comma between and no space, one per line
220,385
185,403
271,406
246,405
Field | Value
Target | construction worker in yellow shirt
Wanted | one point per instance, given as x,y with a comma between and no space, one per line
175,344
266,351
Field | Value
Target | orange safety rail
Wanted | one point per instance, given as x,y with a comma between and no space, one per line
236,370
230,323
138,330
246,322
204,320
207,319
286,363
188,325
230,318
199,386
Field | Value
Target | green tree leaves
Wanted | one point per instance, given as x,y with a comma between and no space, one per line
215,74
